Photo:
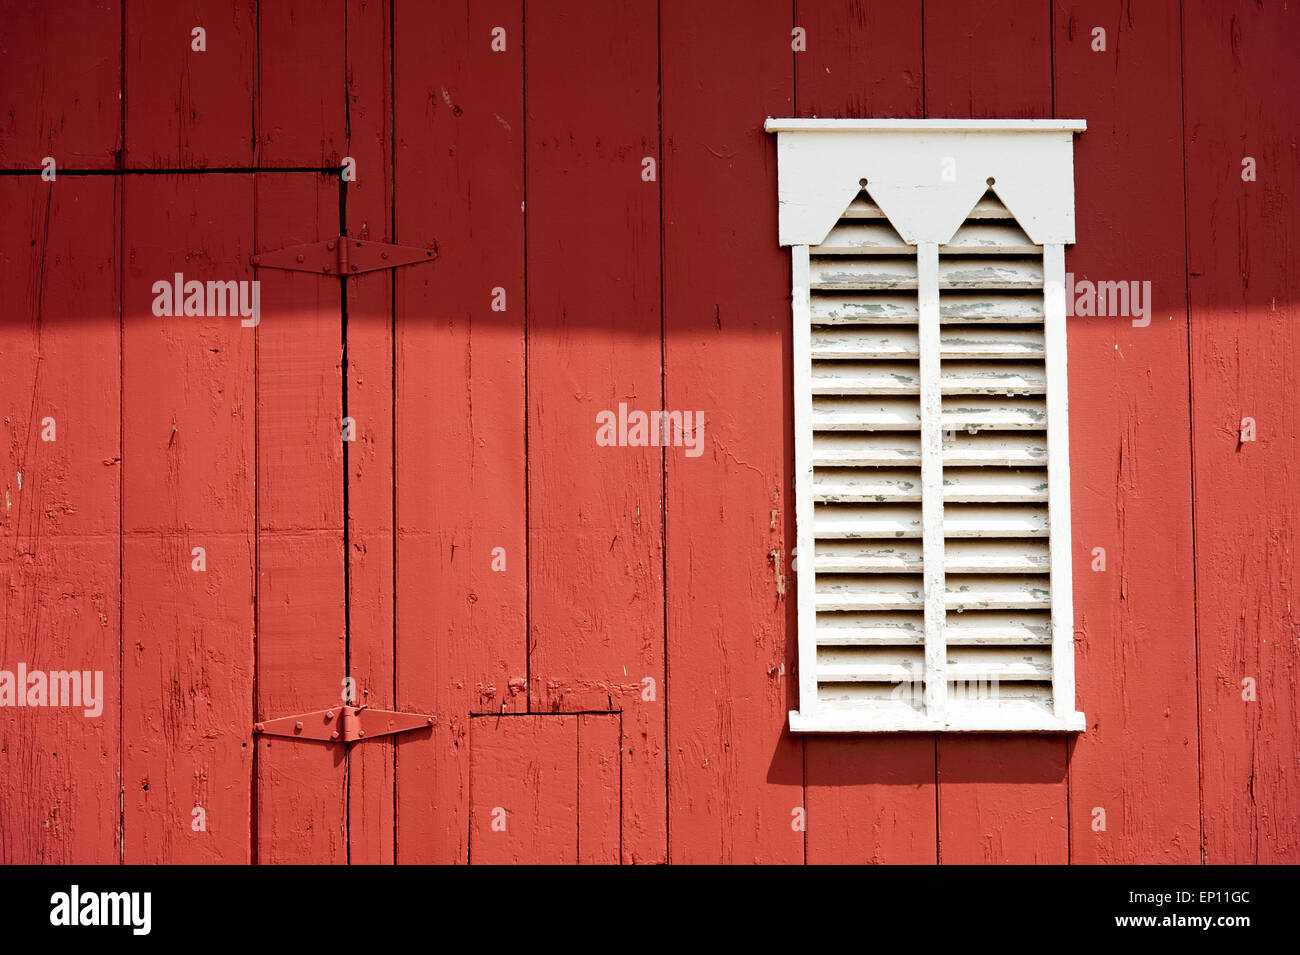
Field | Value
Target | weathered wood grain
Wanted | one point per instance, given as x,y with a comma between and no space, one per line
301,639
187,108
735,776
524,774
595,543
302,62
460,411
188,413
1002,799
60,84
369,393
1245,355
59,557
600,788
1130,454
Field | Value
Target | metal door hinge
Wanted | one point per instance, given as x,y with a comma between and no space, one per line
343,256
343,724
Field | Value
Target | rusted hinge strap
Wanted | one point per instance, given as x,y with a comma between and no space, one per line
343,256
343,724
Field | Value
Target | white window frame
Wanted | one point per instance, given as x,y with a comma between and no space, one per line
821,165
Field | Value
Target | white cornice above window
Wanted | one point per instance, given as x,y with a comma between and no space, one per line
925,174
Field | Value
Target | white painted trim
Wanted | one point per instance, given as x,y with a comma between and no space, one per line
1008,719
924,125
1032,164
805,540
936,650
1058,480
925,177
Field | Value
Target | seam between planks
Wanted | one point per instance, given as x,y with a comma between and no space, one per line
1191,437
663,471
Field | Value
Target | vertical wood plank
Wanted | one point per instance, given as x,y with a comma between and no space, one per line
301,641
49,108
735,772
1130,457
990,60
302,63
59,540
599,788
187,481
596,512
863,59
869,799
1002,799
993,60
187,108
524,777
370,402
1244,353
461,624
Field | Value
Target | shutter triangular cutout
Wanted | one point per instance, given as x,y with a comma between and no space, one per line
993,376
866,457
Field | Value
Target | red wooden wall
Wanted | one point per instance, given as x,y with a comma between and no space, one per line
604,635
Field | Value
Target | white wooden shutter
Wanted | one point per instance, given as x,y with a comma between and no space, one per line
932,469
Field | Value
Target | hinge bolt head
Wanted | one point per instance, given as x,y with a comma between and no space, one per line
298,726
334,735
258,727
329,714
383,255
257,260
301,257
430,720
354,268
330,246
360,733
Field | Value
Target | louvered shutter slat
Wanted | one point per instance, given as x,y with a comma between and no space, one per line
994,238
863,238
863,272
858,485
962,341
981,272
830,449
865,414
988,484
849,521
858,308
856,557
1000,307
842,342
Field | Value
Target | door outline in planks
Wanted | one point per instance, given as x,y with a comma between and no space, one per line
344,257
294,636
535,775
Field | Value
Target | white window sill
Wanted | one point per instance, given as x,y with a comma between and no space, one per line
978,718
